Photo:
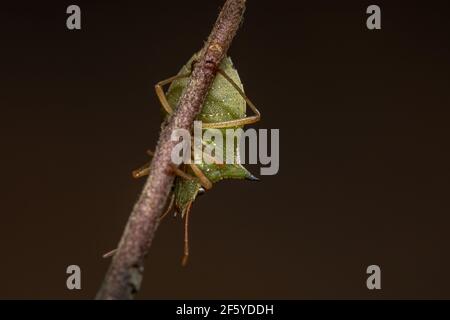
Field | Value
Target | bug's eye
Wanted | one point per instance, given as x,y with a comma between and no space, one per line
201,191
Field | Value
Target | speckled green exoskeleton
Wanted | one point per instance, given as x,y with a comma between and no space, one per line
224,107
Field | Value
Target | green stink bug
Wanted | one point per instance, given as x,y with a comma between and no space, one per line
224,107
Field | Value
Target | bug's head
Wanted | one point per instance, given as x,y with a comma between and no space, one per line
201,191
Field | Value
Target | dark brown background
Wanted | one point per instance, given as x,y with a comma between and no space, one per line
364,172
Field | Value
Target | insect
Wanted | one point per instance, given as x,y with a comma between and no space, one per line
224,107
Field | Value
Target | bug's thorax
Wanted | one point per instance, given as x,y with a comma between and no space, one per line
223,102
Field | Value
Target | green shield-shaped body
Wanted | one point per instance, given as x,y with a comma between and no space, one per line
223,103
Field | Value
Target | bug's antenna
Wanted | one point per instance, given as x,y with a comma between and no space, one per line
184,260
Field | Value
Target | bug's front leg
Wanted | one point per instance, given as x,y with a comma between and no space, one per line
160,91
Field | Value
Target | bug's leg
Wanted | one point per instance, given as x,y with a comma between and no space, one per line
109,254
180,173
145,170
169,208
142,171
160,92
237,122
204,181
184,260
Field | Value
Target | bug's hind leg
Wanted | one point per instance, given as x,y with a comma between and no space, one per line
160,92
184,260
238,122
204,181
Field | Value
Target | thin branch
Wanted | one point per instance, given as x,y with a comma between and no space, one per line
125,273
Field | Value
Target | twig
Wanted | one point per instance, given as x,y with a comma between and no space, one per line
125,273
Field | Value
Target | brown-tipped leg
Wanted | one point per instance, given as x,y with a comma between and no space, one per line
177,171
185,258
204,181
142,171
160,91
237,122
109,254
145,169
